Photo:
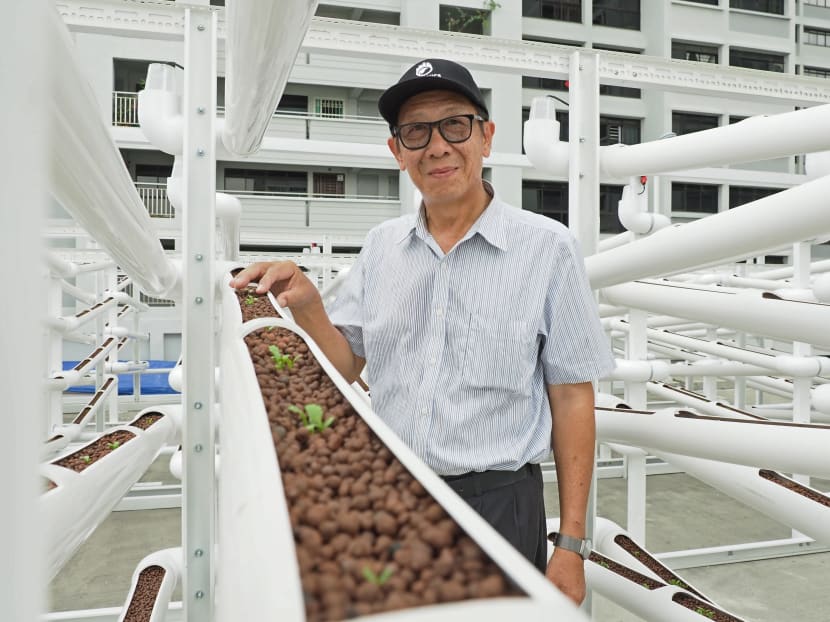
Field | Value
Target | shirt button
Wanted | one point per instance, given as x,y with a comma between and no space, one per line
424,412
432,360
439,311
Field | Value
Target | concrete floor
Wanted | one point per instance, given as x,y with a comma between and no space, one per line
681,513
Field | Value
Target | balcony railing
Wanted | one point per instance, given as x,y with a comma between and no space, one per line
155,198
285,124
124,108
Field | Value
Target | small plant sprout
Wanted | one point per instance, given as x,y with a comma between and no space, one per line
114,445
281,361
86,459
250,299
678,583
377,579
705,612
312,417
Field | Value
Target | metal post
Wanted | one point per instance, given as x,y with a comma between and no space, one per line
636,397
801,386
199,283
24,118
583,192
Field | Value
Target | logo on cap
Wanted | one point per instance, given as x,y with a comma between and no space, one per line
424,69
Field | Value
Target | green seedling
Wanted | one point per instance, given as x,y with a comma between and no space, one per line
678,583
605,564
250,299
705,612
114,445
312,417
86,459
377,579
281,361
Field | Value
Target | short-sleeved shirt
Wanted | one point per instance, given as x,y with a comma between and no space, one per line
460,346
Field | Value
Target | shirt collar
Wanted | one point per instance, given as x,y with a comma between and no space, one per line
490,224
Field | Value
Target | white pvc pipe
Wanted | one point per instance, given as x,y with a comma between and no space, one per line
257,64
744,311
751,140
638,371
764,444
71,377
171,561
632,209
81,501
713,239
259,569
744,484
697,401
160,108
89,178
74,322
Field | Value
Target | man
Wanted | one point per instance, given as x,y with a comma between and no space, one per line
476,322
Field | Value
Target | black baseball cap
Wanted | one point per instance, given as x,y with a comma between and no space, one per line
431,74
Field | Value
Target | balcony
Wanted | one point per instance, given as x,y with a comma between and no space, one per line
345,128
286,217
155,199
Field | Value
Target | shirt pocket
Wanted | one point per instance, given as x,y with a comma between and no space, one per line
500,354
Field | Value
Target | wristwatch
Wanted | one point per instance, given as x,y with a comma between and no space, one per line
576,545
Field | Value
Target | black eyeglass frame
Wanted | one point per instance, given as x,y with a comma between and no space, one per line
396,131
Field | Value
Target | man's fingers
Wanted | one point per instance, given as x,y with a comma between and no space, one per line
279,271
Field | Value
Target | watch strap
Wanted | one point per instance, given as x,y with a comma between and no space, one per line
569,543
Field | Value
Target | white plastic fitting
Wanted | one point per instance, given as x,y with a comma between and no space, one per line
632,209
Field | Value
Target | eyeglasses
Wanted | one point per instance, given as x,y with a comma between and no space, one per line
454,129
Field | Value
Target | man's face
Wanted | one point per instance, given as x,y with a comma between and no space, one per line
443,172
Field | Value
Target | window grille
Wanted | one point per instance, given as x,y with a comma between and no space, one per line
331,108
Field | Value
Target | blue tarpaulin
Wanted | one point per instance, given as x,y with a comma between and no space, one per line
151,384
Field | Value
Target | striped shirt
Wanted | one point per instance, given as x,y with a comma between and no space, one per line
459,346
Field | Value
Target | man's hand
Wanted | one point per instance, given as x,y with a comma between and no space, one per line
285,280
566,571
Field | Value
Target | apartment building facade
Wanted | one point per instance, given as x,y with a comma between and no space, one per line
324,174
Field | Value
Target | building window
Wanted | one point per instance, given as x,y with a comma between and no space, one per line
694,51
153,173
816,36
330,108
821,3
816,72
297,104
741,195
695,198
687,122
609,199
614,130
549,198
274,182
329,184
617,13
775,7
546,84
463,19
712,2
360,15
562,10
756,60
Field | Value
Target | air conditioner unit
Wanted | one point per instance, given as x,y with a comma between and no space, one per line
341,177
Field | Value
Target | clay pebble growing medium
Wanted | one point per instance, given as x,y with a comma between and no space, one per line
652,564
146,420
369,538
704,608
793,485
625,571
90,454
144,596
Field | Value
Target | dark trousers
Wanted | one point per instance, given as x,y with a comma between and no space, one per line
513,503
